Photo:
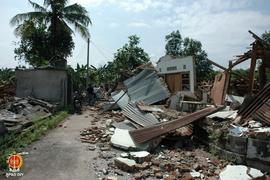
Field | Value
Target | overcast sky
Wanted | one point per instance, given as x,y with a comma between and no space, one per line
221,25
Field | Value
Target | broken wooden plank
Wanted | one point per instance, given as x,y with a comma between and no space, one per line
150,132
219,90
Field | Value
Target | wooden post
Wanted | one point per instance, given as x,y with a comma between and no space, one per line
252,69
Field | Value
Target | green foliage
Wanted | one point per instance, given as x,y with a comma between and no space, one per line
174,43
130,55
126,59
240,72
14,142
266,36
35,44
45,34
176,46
6,75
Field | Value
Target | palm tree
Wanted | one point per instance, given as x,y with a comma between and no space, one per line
57,15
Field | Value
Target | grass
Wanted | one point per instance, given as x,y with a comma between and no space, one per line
15,142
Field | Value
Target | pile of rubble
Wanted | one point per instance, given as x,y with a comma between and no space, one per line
22,113
144,131
183,158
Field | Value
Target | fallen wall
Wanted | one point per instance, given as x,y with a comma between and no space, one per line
48,84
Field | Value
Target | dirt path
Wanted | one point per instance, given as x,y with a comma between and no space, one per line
60,155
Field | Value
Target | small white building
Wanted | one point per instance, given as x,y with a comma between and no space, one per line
179,72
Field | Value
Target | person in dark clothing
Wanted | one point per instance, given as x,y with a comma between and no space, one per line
77,102
91,95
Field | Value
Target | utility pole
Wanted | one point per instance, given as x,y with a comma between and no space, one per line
88,78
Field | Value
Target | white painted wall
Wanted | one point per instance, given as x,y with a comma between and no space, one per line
178,62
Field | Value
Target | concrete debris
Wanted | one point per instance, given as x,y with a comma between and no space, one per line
195,174
22,112
124,155
125,164
240,172
140,156
109,122
111,178
122,139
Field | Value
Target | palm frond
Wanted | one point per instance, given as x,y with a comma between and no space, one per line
75,8
66,26
48,3
80,18
82,30
37,7
39,16
18,30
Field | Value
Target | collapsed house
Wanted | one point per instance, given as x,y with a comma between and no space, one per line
233,127
179,73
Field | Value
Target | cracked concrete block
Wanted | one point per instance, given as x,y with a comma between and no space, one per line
125,164
122,139
140,156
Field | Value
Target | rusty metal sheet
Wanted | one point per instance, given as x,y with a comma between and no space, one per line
150,132
259,100
219,89
263,113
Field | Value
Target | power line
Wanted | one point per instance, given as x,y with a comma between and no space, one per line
101,51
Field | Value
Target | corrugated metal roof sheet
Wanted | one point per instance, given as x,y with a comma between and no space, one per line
141,118
148,133
123,101
147,87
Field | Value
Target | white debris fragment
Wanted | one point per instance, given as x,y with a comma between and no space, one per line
124,155
195,174
125,164
122,139
140,156
239,172
109,122
254,124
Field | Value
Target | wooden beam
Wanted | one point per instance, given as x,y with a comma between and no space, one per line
252,69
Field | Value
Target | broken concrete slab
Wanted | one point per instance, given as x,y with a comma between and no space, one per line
122,139
240,172
140,156
125,164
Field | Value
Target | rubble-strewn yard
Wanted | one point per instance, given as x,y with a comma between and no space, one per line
176,157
